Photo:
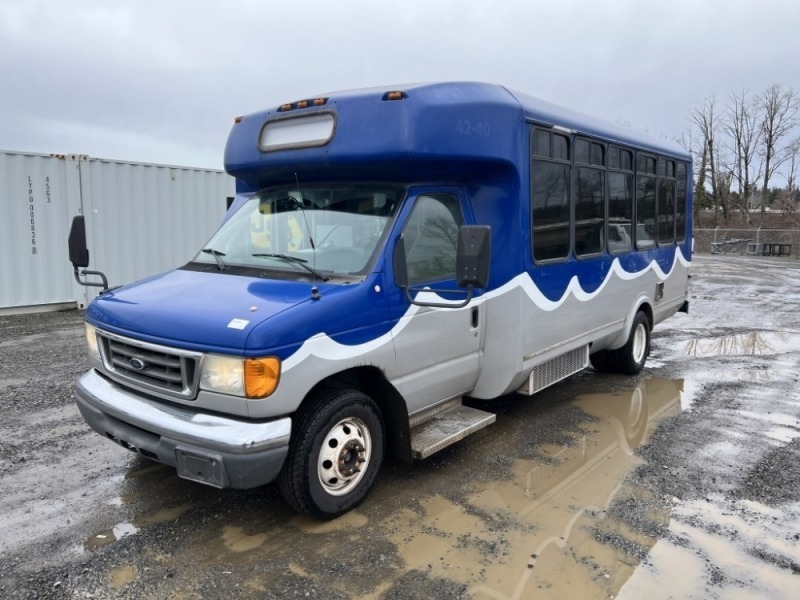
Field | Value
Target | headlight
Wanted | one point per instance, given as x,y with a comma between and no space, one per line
248,377
91,341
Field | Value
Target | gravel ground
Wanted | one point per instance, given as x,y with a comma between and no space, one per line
683,482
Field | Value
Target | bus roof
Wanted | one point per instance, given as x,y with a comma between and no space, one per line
448,131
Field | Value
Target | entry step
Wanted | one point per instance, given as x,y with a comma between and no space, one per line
447,427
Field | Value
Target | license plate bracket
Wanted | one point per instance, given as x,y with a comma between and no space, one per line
201,467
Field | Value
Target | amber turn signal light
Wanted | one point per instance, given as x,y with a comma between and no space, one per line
261,376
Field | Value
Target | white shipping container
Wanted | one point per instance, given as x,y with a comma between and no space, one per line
141,219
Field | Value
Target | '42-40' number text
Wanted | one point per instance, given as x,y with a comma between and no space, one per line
465,127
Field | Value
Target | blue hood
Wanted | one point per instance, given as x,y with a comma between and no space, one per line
197,311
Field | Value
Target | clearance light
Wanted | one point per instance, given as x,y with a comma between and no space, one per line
320,102
302,104
237,119
396,95
261,376
285,107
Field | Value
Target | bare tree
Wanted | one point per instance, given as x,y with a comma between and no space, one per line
781,111
707,124
744,127
793,159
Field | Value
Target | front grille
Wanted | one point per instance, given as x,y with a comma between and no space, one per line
150,367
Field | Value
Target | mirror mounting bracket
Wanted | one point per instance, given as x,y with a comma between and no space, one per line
83,273
461,304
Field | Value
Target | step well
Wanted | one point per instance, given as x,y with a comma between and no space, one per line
446,426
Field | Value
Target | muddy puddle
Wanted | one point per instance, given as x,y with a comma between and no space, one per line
556,520
152,495
753,550
541,527
544,532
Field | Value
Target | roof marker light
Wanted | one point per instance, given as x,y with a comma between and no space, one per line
302,104
320,101
285,107
237,119
395,95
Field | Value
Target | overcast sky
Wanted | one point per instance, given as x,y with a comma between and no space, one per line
161,81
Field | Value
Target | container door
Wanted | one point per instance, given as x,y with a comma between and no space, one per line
437,348
38,196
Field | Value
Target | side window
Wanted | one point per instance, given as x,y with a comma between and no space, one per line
620,199
550,195
590,204
680,205
666,201
431,236
645,233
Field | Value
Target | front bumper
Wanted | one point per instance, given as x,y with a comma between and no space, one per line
208,448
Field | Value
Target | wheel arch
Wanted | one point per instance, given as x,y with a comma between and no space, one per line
642,304
372,382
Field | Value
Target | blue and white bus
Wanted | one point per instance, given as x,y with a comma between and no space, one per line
389,252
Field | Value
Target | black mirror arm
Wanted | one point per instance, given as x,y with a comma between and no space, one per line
438,304
78,273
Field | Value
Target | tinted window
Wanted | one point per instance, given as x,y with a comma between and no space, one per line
626,160
430,237
589,210
550,207
666,211
620,211
680,202
582,151
613,158
666,201
597,155
560,147
644,234
646,164
541,143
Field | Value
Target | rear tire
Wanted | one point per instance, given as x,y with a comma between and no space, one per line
631,357
336,451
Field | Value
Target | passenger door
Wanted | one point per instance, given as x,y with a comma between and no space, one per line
437,348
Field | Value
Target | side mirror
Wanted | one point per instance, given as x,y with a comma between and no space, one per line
78,252
474,256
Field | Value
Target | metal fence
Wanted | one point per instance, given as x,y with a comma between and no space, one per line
753,242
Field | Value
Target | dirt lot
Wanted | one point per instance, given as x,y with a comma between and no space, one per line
683,482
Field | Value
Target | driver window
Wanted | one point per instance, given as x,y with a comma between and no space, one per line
431,236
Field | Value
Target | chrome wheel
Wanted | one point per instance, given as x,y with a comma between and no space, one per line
335,453
344,456
639,347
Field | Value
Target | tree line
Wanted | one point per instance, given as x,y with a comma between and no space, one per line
742,148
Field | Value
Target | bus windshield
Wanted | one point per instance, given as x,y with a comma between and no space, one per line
330,230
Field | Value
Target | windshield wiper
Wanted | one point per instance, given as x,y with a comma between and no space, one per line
217,257
301,262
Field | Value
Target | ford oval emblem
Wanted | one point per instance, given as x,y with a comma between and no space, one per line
137,364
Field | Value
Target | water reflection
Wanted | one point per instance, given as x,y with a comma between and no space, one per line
547,531
154,495
533,519
753,343
109,536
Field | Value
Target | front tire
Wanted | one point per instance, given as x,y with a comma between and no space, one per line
335,454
